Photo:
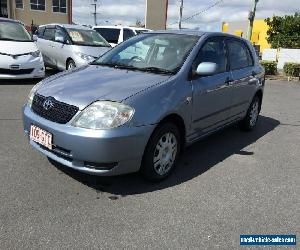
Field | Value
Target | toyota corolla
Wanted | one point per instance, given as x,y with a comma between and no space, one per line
140,104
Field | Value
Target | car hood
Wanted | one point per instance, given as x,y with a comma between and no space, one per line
16,48
86,85
92,51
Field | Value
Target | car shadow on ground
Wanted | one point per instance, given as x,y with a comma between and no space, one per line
196,160
49,72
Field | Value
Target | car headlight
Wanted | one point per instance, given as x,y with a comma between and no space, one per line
104,115
32,93
86,57
35,53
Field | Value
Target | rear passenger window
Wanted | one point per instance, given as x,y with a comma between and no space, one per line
49,34
239,55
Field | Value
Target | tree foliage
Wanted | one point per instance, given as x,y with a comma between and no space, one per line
284,31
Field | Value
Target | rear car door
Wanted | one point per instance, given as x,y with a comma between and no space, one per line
244,77
47,44
211,94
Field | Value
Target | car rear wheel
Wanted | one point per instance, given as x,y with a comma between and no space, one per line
161,153
71,64
250,121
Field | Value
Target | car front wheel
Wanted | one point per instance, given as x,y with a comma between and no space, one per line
161,153
71,64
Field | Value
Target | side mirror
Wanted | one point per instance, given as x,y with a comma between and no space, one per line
206,69
34,38
59,39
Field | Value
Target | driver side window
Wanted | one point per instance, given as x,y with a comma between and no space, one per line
140,50
60,33
213,51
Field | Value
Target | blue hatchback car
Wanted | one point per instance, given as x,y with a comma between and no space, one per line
140,104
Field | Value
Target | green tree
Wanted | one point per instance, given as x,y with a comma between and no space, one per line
284,31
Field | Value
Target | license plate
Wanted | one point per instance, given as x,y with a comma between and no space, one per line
41,136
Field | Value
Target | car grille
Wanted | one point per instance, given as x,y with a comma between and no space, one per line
59,112
15,71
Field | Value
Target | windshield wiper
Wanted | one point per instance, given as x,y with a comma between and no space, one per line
158,70
116,66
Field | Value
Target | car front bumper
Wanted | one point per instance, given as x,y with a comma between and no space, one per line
107,152
33,67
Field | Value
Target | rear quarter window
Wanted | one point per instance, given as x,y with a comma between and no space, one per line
110,35
40,32
49,34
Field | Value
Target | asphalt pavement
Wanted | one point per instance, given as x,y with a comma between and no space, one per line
229,184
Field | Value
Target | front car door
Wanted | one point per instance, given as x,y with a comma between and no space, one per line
62,51
211,94
243,75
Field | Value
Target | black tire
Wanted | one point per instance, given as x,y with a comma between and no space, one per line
70,64
149,170
249,123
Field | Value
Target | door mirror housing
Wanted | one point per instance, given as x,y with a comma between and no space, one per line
60,39
206,69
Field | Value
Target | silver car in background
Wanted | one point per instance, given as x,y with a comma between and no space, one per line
66,46
139,105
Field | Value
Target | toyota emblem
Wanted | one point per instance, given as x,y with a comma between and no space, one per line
48,104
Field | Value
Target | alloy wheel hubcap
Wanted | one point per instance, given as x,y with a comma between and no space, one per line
165,153
254,113
71,66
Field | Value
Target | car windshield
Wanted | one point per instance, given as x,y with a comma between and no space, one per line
10,31
157,53
87,38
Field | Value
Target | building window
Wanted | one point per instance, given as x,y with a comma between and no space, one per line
19,4
37,5
3,8
59,6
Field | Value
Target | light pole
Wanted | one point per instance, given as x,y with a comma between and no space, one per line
95,12
251,20
180,14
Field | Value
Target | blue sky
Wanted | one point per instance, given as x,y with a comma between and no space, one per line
126,12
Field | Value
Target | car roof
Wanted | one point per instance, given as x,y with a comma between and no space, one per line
195,33
2,19
67,26
118,27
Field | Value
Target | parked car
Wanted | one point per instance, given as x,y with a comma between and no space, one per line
118,34
19,55
123,114
65,46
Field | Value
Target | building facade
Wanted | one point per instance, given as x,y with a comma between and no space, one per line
37,11
259,34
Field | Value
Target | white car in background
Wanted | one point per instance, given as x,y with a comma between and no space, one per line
66,46
118,34
19,55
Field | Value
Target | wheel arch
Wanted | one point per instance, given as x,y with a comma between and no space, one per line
67,61
259,94
178,121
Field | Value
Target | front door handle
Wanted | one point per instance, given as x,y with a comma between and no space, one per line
229,81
